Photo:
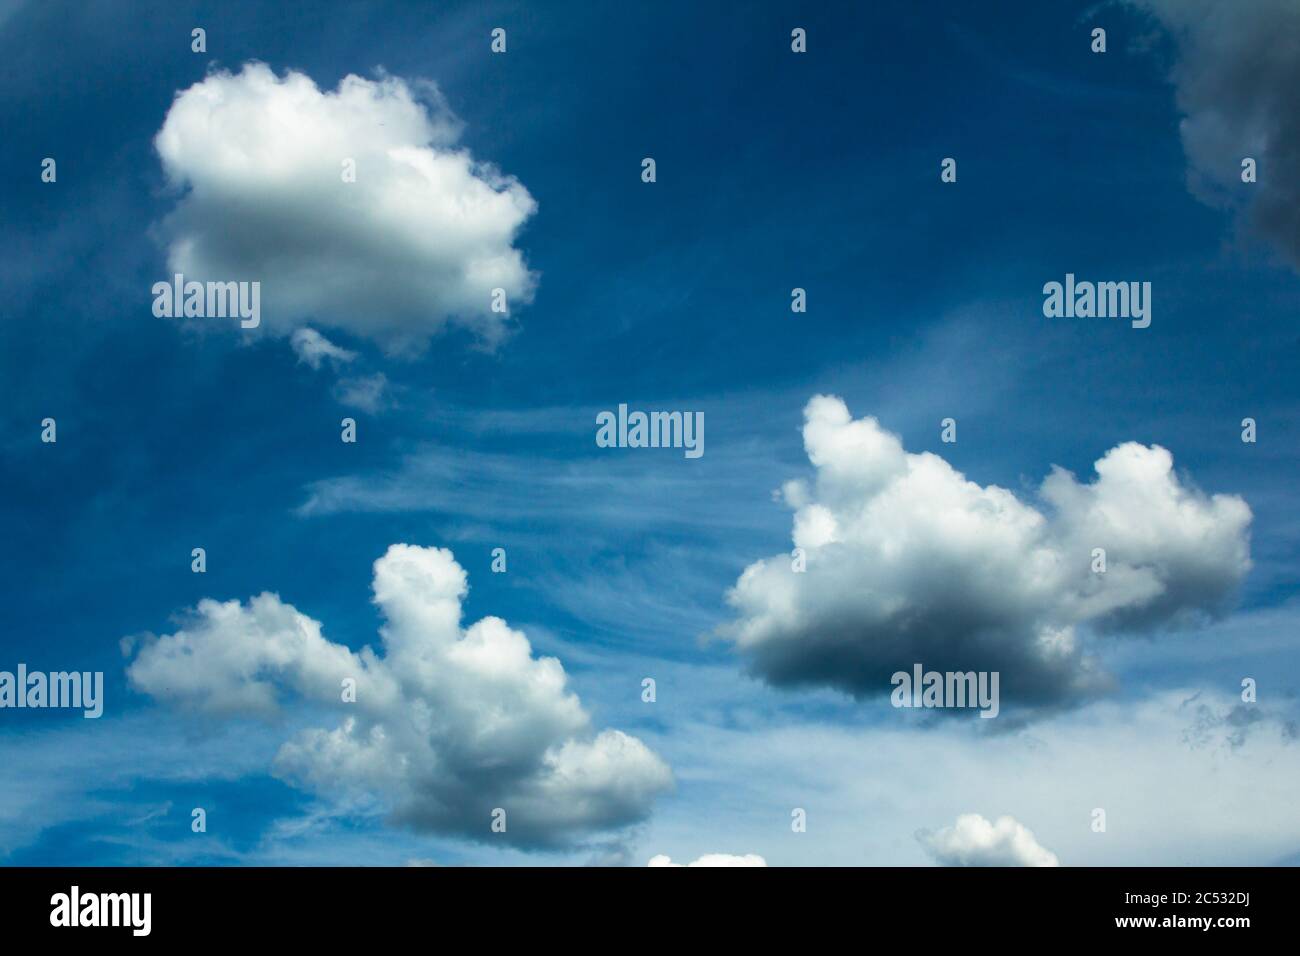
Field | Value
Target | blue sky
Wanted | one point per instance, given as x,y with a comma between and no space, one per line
775,170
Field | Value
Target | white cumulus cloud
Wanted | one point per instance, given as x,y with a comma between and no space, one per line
907,561
419,239
448,725
974,841
712,859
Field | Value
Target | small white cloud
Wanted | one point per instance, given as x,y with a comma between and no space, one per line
370,393
974,841
312,348
418,241
448,725
712,859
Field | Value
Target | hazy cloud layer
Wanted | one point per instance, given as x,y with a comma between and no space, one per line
909,562
974,841
1232,727
1237,82
447,725
419,239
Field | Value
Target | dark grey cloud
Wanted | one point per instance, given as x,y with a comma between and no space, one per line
1237,84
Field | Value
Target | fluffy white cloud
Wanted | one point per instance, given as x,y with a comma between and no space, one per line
1238,85
447,725
909,562
974,841
419,239
712,859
